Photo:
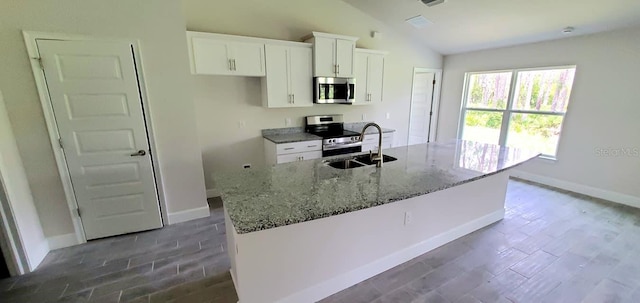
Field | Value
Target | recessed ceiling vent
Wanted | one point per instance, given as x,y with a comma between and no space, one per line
432,2
418,21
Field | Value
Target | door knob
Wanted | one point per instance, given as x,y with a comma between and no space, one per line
140,153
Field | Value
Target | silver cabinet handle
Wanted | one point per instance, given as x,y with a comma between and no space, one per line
234,65
338,68
140,153
293,98
311,145
288,148
230,65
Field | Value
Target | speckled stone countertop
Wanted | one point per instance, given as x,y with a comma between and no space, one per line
263,198
357,127
297,134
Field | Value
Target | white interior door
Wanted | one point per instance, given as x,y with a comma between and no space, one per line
94,92
421,107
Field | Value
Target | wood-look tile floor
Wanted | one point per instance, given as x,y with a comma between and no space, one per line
552,246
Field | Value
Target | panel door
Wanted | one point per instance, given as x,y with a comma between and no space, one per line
93,89
375,77
301,75
361,65
277,81
420,117
325,57
345,50
211,57
248,59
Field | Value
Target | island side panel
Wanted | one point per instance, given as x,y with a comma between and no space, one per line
308,261
231,235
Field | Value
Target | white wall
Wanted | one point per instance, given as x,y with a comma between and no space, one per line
160,27
222,101
603,110
20,218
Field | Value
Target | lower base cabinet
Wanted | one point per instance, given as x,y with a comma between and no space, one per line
370,142
291,152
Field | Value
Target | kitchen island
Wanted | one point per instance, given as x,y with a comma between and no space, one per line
299,232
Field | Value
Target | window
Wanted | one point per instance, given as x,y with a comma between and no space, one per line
522,108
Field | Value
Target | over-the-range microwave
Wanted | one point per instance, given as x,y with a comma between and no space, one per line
334,90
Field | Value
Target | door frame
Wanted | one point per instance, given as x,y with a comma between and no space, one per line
433,134
30,39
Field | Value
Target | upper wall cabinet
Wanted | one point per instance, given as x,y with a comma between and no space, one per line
369,72
216,54
289,76
333,55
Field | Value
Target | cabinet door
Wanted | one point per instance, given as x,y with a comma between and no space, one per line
344,57
325,57
375,76
301,76
211,57
361,78
277,83
248,59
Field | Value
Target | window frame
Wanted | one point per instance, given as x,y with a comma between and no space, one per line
508,111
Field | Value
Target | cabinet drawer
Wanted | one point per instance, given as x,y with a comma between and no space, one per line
298,147
299,157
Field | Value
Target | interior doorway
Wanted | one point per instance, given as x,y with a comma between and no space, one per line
92,98
425,92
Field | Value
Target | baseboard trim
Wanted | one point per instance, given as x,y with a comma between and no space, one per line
62,241
35,257
212,193
579,188
188,215
356,276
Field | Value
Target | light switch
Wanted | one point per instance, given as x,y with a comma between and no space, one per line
287,122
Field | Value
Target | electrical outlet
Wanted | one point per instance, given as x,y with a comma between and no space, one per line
248,165
388,116
408,218
242,124
287,122
364,117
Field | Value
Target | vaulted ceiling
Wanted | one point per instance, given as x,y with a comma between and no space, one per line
467,25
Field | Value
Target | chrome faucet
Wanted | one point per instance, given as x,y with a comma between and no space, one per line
374,157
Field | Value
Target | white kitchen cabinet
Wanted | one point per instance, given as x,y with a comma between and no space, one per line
369,71
291,152
370,142
288,81
333,55
216,54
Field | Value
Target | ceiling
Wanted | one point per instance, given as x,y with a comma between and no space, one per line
468,25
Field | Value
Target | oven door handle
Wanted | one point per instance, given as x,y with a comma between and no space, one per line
339,146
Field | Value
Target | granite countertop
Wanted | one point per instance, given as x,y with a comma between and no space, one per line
297,134
357,127
263,198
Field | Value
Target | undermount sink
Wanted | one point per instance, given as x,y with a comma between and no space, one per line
359,161
345,164
366,159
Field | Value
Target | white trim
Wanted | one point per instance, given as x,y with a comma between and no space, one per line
433,135
62,241
338,283
371,51
30,38
212,193
36,256
579,188
188,215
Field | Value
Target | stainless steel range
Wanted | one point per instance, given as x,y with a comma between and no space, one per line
335,139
